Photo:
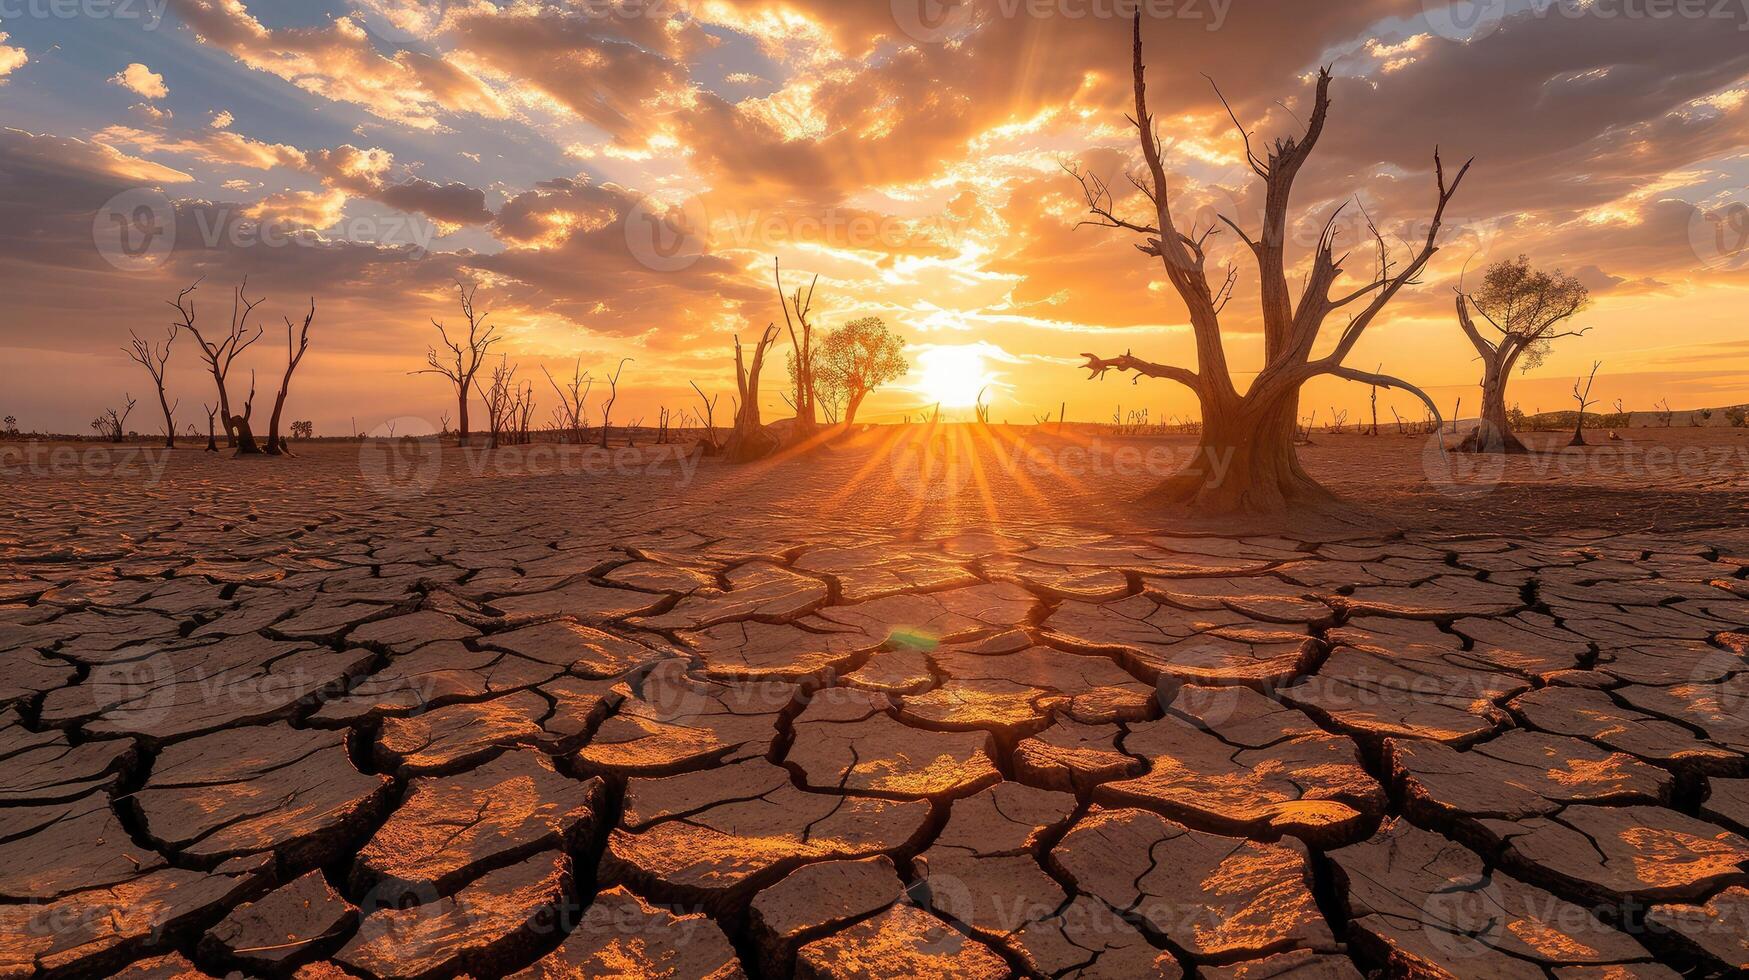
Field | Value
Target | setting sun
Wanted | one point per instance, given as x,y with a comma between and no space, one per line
953,376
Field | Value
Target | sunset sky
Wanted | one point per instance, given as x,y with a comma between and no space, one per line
908,155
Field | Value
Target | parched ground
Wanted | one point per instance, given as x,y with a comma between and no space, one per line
910,705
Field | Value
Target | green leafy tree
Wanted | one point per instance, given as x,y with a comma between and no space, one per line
856,359
1526,308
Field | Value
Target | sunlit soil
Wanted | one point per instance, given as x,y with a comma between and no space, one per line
917,702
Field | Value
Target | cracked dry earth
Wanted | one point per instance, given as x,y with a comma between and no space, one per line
258,720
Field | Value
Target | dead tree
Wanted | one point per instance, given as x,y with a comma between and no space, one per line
218,356
212,436
499,400
802,359
1375,406
1665,413
112,425
1338,421
467,356
155,358
573,397
525,402
1253,433
749,440
612,396
1525,307
1583,397
709,419
297,341
245,436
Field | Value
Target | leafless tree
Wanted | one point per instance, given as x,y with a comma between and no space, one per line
1375,406
524,413
246,445
573,397
218,356
462,358
1338,421
750,440
1252,433
112,425
709,419
155,358
212,437
297,341
612,396
803,359
1583,397
1525,306
499,400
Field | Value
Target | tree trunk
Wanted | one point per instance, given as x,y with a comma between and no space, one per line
750,440
1493,432
169,420
1245,463
225,411
461,427
245,437
851,406
276,445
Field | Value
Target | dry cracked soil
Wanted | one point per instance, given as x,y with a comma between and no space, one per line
935,710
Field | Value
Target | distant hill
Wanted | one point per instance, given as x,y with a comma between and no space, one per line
1734,416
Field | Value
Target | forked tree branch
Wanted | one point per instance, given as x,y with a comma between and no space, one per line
1098,366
